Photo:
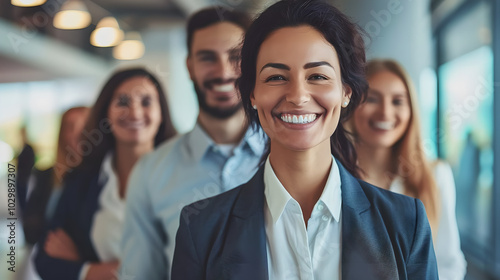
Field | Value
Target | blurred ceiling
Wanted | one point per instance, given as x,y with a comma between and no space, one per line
19,25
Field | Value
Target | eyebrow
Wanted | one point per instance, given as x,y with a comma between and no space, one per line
396,94
232,51
306,66
275,65
204,52
317,64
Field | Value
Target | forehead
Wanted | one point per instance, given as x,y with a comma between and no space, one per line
387,82
135,85
217,37
296,45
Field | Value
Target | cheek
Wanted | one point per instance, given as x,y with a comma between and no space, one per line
328,97
202,72
361,118
405,118
111,114
365,112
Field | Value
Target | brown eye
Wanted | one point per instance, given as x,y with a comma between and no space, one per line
397,102
317,77
371,99
146,101
123,101
208,58
275,78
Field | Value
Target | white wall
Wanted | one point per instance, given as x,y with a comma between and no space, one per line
400,29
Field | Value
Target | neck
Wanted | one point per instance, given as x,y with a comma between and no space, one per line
224,131
378,165
303,173
124,159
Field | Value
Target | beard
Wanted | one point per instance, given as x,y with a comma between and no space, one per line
216,112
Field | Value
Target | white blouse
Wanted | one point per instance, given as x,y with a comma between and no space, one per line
450,259
293,251
106,230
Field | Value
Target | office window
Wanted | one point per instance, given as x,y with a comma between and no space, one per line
466,124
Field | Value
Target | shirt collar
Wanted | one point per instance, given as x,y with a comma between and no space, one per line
256,139
106,168
276,195
332,193
200,142
279,196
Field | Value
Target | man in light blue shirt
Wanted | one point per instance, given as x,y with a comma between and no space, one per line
220,153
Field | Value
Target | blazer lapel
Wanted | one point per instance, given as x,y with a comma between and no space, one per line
245,255
366,252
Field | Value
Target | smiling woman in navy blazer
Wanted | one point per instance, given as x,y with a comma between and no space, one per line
304,215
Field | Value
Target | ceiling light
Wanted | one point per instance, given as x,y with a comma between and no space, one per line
107,33
73,15
130,48
27,3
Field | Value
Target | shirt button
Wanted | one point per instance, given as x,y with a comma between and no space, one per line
324,218
320,207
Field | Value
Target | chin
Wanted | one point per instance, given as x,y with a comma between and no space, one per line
383,144
299,145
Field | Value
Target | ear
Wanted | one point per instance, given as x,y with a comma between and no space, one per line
252,99
189,65
347,93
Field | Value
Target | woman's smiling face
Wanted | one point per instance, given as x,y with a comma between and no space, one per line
298,89
383,119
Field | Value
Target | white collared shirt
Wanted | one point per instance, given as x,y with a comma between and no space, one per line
294,252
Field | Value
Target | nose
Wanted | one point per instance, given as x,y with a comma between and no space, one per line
298,93
386,109
135,110
226,69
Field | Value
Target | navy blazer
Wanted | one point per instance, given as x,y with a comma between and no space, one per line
384,235
74,214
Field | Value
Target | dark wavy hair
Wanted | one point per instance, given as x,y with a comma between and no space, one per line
98,121
338,30
214,15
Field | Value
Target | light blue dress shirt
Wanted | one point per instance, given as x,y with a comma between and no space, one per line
186,169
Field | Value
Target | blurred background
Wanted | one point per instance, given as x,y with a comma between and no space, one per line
49,64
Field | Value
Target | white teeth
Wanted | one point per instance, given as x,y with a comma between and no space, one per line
384,125
224,88
134,124
289,118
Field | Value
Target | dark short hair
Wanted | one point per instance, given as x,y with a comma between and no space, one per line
98,116
214,15
339,31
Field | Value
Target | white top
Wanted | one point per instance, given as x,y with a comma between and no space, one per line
106,231
450,259
297,252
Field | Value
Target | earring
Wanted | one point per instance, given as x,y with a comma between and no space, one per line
345,103
254,107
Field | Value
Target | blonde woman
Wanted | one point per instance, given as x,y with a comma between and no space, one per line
390,155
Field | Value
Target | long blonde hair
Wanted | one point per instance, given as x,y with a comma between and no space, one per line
412,165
